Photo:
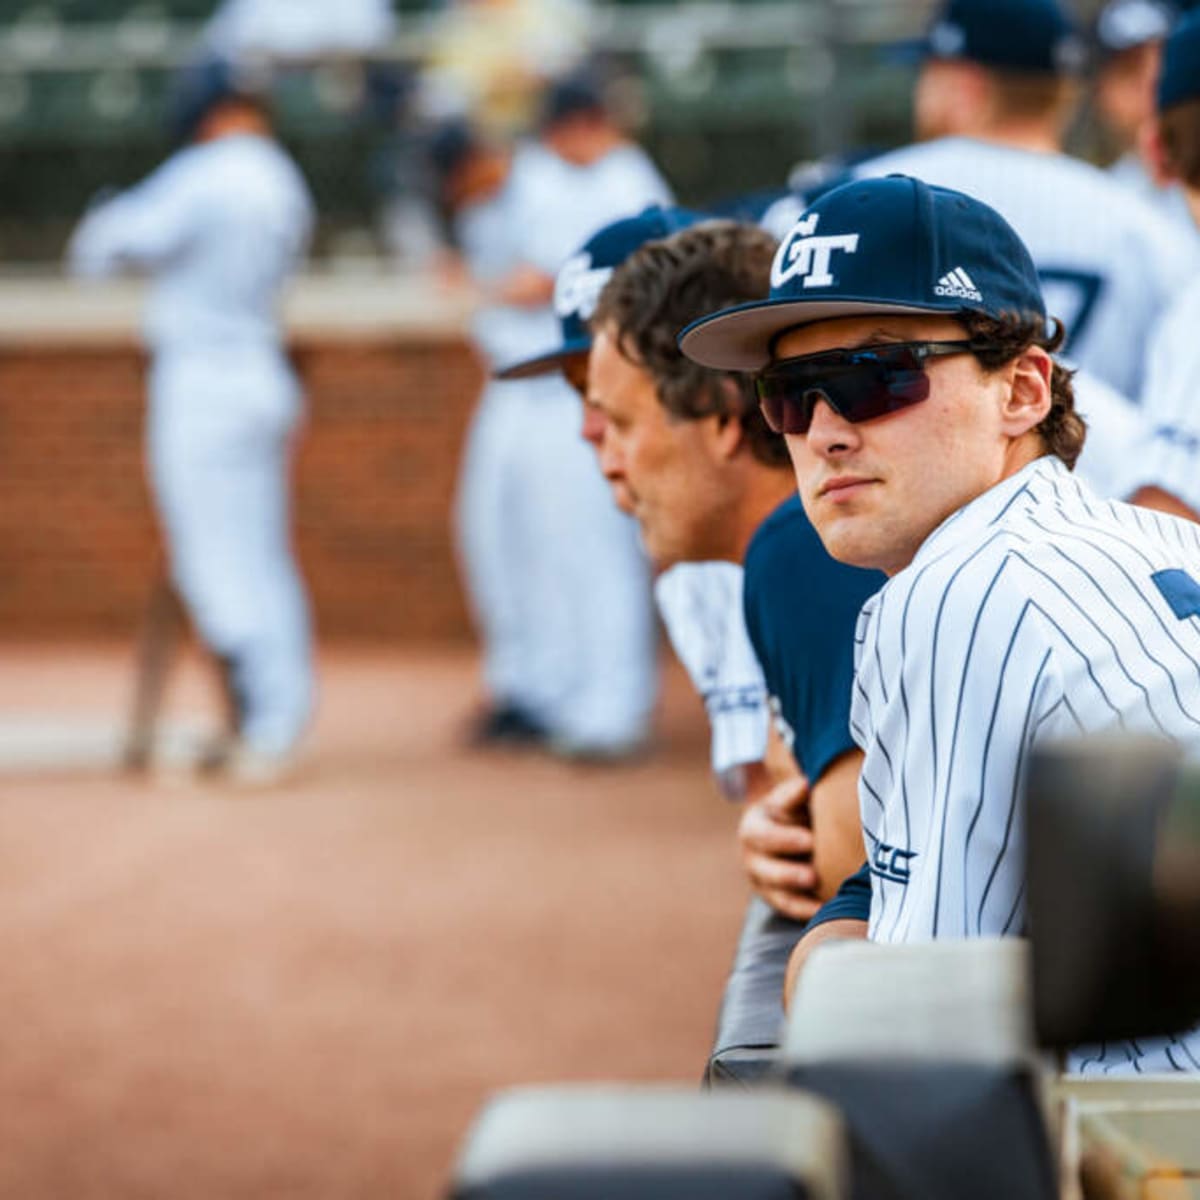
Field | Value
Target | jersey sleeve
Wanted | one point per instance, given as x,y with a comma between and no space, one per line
851,903
801,613
1165,260
701,607
637,183
1170,451
141,228
1114,424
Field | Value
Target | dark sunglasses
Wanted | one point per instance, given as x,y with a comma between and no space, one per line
858,385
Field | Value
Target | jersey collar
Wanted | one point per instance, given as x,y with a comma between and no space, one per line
970,521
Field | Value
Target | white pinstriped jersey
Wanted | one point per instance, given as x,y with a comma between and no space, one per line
1109,262
701,606
1037,611
1171,402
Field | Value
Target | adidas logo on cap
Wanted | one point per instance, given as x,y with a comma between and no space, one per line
958,285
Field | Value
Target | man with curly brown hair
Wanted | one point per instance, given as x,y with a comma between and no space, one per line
687,451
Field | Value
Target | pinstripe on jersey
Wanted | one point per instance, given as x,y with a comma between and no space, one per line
1035,612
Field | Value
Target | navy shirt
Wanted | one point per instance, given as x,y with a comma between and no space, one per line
852,902
801,611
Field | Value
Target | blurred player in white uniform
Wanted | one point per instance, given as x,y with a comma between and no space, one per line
220,227
1170,461
995,92
932,436
559,582
1127,38
700,603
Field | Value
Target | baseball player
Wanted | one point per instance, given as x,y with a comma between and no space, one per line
220,226
701,600
995,91
1170,460
933,436
1127,38
700,603
686,450
567,621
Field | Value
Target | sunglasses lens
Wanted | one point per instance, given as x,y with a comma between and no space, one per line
858,385
782,405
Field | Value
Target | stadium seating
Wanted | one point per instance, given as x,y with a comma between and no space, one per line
94,73
927,1051
948,1001
652,1143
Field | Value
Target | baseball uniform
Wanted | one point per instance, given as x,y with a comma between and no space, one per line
1130,172
1035,611
701,607
221,225
1038,611
1170,456
567,618
1114,425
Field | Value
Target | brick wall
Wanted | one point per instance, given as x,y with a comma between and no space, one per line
375,477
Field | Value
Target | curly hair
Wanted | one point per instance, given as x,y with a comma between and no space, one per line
1000,340
1180,126
664,286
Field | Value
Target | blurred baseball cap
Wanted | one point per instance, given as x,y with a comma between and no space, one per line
206,83
580,92
889,245
1125,24
582,277
1179,80
1037,36
450,145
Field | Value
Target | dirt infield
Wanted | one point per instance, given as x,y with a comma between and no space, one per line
310,992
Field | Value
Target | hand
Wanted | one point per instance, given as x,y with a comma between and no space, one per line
776,846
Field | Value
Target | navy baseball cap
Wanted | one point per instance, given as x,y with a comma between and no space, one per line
1014,35
1180,77
580,92
891,245
582,277
1124,24
206,83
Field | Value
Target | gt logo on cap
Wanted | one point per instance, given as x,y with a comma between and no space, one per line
578,286
805,256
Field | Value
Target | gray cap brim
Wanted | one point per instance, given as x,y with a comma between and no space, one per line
739,339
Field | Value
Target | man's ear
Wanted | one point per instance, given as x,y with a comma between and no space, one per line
975,96
1029,401
1153,152
729,432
